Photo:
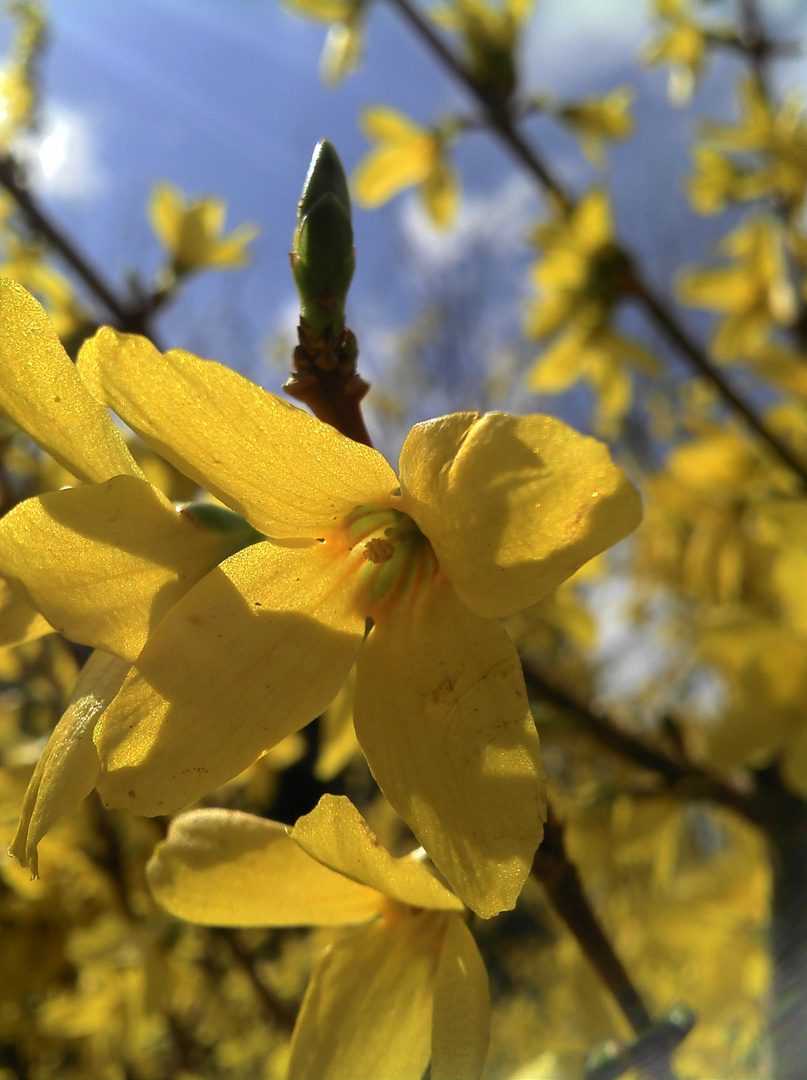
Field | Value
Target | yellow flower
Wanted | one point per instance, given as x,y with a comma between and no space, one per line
578,275
404,984
772,149
596,119
682,45
754,291
192,232
344,44
111,604
490,35
490,514
406,155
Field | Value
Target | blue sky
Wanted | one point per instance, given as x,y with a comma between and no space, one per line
223,96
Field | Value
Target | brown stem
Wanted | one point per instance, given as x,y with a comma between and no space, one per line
559,876
133,319
698,360
278,1012
760,807
324,377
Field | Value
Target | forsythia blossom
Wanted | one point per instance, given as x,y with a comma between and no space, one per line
489,515
407,973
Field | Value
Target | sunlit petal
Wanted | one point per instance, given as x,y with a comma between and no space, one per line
66,771
42,392
226,868
461,1023
367,1012
104,563
513,505
337,835
442,716
255,651
250,449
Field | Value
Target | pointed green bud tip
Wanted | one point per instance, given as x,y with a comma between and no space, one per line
325,177
322,257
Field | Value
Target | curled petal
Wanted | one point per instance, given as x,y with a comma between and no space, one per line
367,1012
255,651
461,1023
227,868
66,771
250,449
513,505
442,716
42,392
104,563
337,835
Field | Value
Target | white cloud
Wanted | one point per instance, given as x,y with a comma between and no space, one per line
496,222
62,156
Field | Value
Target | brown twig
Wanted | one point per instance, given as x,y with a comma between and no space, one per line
559,876
133,318
760,806
274,1008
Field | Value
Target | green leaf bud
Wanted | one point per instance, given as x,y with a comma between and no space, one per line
323,256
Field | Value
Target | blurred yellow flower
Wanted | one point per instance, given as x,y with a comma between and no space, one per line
490,35
578,275
344,44
406,155
754,291
598,119
192,232
682,45
407,972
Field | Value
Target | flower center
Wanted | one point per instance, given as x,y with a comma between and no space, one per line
388,553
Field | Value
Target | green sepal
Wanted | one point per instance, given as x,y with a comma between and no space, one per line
226,522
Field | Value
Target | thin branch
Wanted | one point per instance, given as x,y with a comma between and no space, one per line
761,807
501,124
134,318
275,1009
558,874
499,118
675,333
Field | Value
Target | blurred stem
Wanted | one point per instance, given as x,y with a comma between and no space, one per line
559,876
761,807
130,319
661,313
275,1009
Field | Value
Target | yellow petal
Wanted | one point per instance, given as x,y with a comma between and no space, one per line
388,125
442,716
19,621
337,835
513,505
285,472
226,868
461,1022
66,771
255,651
390,169
441,191
104,563
165,210
42,392
367,1012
